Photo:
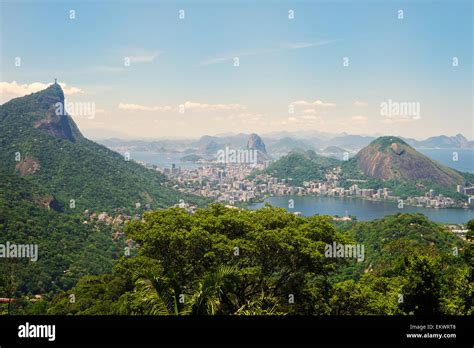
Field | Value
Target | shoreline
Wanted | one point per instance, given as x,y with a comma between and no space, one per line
264,199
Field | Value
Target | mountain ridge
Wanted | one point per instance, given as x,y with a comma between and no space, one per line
75,168
388,158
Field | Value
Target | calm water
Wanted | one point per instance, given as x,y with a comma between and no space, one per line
364,210
163,160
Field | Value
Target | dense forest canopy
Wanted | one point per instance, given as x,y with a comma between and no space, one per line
229,261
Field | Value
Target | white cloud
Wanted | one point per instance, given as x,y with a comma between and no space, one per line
216,60
359,119
314,103
144,58
244,118
309,111
70,90
298,45
137,107
14,89
360,104
252,119
398,119
301,120
189,105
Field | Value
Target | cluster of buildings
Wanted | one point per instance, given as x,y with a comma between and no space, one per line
468,191
433,201
232,183
222,182
458,230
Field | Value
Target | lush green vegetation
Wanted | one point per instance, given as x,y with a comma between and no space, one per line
301,167
49,175
68,249
95,177
227,261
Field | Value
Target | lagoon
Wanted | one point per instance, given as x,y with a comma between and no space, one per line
364,210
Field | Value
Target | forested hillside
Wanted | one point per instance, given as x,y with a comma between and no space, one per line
54,183
48,149
67,248
301,167
227,261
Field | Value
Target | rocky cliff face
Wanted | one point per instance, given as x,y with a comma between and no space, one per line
256,143
389,158
56,121
209,148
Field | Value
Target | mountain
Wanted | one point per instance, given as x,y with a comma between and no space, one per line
334,150
209,148
48,149
302,134
232,140
287,145
443,142
206,139
276,143
209,145
154,146
388,158
348,141
301,167
256,143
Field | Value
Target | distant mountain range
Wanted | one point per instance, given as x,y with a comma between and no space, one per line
281,143
443,142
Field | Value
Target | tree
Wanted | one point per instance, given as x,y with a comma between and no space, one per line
470,227
421,293
161,296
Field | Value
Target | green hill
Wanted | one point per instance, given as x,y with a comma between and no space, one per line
191,158
67,248
394,237
334,150
388,158
301,167
49,150
390,162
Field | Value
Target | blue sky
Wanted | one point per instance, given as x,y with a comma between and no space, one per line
282,62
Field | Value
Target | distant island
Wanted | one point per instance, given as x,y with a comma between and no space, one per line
191,158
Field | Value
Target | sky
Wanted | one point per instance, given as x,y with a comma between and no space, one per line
360,67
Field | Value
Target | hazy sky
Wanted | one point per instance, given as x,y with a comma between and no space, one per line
281,62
